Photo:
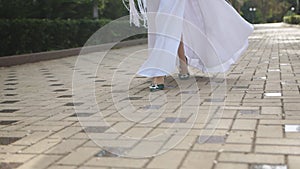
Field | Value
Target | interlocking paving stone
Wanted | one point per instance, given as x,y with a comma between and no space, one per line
92,77
41,161
7,122
222,147
73,104
243,124
273,94
240,87
263,78
32,138
213,100
82,114
86,74
65,147
56,84
99,81
248,111
151,107
175,120
10,94
97,129
41,146
265,166
113,162
107,85
170,159
60,90
270,131
211,139
10,89
188,92
293,162
8,110
251,158
79,156
271,110
274,70
4,165
231,166
170,86
119,91
9,101
133,98
292,128
196,159
65,96
9,80
112,152
245,137
277,149
12,84
105,153
8,140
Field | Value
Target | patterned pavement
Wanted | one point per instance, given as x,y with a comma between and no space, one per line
61,115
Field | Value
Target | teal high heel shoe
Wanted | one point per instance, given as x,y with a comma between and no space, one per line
156,87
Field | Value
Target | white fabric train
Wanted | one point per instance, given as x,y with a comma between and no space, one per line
213,32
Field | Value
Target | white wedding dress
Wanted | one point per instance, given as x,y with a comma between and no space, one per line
213,33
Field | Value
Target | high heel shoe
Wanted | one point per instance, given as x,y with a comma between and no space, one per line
156,87
184,76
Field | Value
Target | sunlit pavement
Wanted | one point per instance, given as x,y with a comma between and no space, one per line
256,124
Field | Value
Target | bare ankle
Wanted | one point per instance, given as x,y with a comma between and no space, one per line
183,66
159,80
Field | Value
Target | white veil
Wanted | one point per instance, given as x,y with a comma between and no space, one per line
137,15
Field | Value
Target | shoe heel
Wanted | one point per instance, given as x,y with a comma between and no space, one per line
183,76
156,87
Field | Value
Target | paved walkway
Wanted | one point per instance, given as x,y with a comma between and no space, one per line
251,122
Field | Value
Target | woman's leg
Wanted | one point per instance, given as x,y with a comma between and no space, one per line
158,80
183,60
158,83
183,65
